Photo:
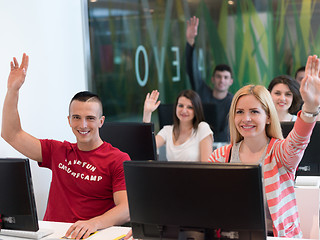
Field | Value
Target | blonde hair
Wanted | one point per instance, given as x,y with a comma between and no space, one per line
273,130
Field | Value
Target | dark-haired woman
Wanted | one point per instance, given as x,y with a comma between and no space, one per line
286,97
189,138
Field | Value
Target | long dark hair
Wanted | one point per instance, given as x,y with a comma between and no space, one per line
294,88
197,108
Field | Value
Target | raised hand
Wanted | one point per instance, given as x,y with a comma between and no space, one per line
310,85
150,105
192,30
18,73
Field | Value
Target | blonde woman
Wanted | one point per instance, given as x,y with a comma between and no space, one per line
256,138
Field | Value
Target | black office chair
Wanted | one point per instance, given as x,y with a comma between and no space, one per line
135,138
165,114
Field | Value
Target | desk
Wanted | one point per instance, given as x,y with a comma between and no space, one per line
308,199
61,228
105,234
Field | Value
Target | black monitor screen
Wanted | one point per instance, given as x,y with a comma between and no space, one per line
310,162
135,138
17,204
169,200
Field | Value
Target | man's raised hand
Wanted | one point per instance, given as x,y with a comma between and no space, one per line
192,30
18,72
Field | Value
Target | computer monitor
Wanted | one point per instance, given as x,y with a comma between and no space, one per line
180,200
135,138
17,203
310,162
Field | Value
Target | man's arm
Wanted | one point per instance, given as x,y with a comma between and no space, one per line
11,130
115,216
193,72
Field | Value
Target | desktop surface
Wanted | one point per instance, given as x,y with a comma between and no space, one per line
111,233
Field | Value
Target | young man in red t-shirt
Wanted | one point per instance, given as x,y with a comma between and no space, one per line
88,186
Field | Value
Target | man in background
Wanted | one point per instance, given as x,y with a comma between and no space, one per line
221,79
300,74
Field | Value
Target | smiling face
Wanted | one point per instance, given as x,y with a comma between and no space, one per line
184,110
85,120
282,97
250,117
222,80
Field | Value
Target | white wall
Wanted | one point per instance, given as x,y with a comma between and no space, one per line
50,32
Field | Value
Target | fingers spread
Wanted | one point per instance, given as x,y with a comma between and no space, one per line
77,232
317,67
25,62
81,233
70,230
197,22
148,96
15,61
154,95
308,66
313,64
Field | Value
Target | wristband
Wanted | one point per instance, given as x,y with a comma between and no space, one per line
310,115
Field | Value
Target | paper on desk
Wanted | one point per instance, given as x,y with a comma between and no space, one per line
91,234
120,237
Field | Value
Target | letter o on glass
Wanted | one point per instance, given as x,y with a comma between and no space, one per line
142,82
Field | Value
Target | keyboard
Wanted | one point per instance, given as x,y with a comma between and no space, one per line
27,234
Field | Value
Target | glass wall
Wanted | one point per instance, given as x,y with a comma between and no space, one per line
138,46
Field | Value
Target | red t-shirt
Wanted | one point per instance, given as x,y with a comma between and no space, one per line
83,182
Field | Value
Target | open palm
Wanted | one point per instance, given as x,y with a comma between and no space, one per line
310,84
151,103
192,29
18,73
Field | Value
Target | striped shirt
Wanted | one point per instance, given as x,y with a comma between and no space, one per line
280,163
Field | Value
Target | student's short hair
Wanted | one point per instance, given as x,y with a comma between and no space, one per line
86,96
294,87
273,130
197,108
221,68
300,69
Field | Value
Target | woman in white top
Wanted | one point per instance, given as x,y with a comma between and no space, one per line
189,138
286,97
